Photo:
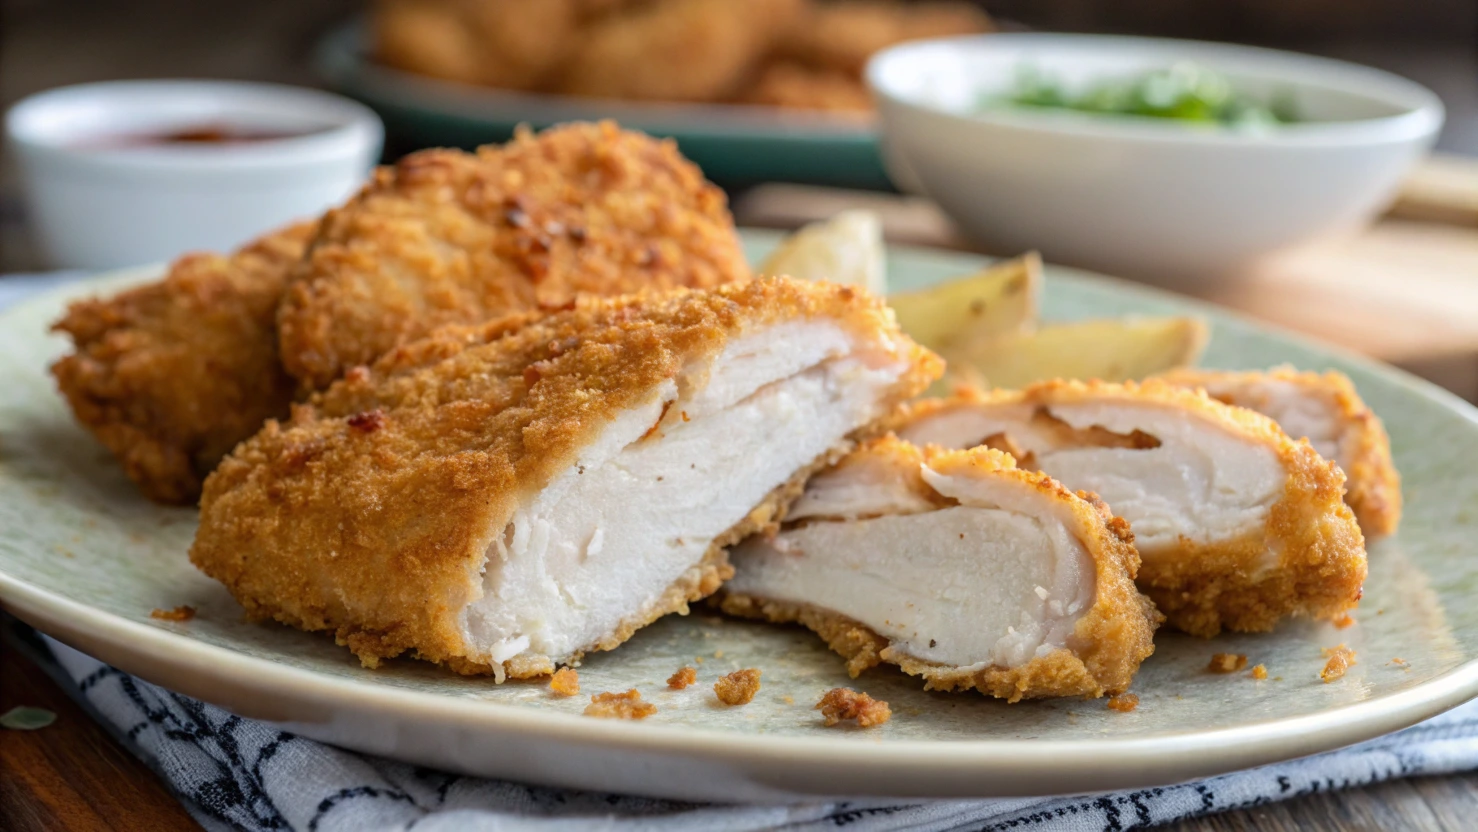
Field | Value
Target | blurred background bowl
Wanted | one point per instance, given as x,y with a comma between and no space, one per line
1154,199
121,173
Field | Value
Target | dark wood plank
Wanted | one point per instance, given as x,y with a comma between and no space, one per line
71,775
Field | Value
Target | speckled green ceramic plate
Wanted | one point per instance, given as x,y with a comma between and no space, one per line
85,558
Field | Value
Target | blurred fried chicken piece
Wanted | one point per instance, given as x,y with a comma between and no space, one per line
531,494
171,375
794,85
843,34
677,50
449,237
499,43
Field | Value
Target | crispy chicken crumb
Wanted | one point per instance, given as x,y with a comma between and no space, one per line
1259,672
565,682
1123,702
682,678
628,705
788,699
1343,621
838,704
180,613
1227,663
739,687
1340,659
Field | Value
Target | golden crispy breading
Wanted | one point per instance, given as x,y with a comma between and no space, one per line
739,687
448,237
1123,702
1227,662
1205,587
171,375
1110,639
677,50
628,705
1352,435
682,678
843,35
371,512
794,85
565,682
1341,658
499,43
184,612
840,704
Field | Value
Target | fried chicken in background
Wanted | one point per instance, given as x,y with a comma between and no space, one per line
793,54
171,375
448,237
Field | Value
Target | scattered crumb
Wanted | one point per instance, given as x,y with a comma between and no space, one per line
1400,663
698,659
183,612
739,687
718,654
1259,672
1123,702
565,682
788,699
628,705
1340,659
681,679
1227,663
1343,621
838,704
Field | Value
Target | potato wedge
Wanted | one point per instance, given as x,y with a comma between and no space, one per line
1109,350
847,249
1000,299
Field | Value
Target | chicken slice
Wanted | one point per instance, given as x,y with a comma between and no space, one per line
1238,525
506,503
1325,409
957,567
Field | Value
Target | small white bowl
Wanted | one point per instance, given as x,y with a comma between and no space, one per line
1141,197
98,200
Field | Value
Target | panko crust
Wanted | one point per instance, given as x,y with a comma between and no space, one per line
1203,589
448,237
370,512
1373,485
171,375
1109,642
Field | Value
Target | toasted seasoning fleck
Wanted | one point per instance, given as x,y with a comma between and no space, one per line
1227,663
1123,702
565,682
24,718
368,422
1343,621
682,678
628,705
788,699
183,612
1259,672
1340,659
838,704
718,654
739,687
1400,663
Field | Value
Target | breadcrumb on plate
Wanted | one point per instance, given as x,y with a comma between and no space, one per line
1123,702
682,678
1340,660
1259,671
1343,622
840,704
739,687
565,682
183,612
628,705
1227,663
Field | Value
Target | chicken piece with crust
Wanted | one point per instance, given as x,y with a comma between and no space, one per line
172,374
514,44
508,500
1325,409
844,34
448,237
793,85
677,50
1238,526
958,567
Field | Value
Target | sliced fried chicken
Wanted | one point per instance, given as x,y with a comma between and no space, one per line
1325,409
171,375
957,567
1238,525
508,499
447,237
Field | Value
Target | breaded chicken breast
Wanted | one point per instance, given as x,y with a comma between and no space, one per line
1325,409
508,499
958,567
794,85
844,34
677,50
1238,525
499,43
449,237
171,375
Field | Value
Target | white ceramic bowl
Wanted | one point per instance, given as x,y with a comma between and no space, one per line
96,200
1134,196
